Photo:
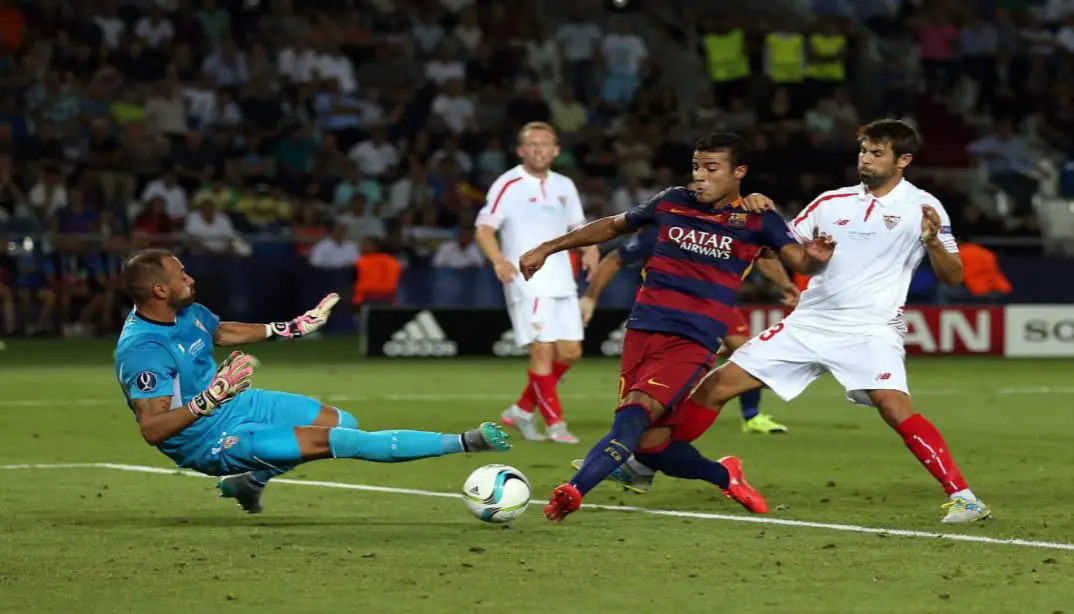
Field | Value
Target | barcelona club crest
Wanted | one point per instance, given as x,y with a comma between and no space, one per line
737,220
891,221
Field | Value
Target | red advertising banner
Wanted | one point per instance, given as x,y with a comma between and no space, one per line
932,330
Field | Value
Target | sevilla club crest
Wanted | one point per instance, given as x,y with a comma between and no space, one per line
891,221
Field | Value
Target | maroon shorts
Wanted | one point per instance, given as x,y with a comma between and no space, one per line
737,326
665,367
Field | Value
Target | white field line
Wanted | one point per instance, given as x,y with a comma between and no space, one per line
498,396
761,520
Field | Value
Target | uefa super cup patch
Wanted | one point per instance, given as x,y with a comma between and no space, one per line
146,381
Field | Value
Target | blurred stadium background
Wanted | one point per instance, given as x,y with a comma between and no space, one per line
286,149
281,147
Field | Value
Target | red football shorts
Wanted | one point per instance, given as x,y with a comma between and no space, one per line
665,367
737,326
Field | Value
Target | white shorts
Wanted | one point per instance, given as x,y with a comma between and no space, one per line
788,357
546,320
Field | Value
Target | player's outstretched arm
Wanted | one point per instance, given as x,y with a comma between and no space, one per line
593,233
811,256
239,333
602,276
770,266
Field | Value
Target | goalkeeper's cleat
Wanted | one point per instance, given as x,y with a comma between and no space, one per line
739,489
245,491
763,423
489,437
565,500
558,433
961,509
523,422
624,476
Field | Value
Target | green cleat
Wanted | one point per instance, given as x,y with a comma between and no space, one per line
245,491
961,510
763,423
489,437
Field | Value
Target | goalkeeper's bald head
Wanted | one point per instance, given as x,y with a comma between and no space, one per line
156,275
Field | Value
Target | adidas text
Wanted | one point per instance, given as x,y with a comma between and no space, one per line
421,337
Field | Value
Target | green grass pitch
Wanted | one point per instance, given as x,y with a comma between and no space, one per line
94,539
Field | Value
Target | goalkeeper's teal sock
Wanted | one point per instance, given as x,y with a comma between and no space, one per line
391,446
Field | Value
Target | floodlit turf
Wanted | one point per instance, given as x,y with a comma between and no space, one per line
104,540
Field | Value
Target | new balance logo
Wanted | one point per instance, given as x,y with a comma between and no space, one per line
508,346
421,336
613,345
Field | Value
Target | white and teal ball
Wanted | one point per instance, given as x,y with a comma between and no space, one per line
496,493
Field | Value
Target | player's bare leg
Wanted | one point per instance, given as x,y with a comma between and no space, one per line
928,445
753,420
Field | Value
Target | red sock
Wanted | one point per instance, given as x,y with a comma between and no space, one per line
928,446
544,390
559,368
527,401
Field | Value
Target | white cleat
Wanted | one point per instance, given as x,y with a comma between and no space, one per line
960,509
523,422
558,433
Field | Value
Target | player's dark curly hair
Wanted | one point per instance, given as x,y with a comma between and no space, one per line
732,144
143,269
903,137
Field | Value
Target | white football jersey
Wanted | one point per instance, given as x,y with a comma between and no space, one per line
878,249
528,211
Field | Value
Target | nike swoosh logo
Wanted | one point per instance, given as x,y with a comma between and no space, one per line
681,211
653,382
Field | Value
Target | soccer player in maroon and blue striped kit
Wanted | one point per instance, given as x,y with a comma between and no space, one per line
706,244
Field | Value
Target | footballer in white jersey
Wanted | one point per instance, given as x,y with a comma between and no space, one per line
526,206
849,320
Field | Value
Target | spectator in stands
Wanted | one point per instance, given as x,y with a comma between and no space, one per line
624,54
208,230
1012,166
462,253
982,279
360,221
335,251
167,187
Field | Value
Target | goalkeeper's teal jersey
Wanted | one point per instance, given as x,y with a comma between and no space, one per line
170,359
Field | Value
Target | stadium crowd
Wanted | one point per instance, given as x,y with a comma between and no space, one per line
349,128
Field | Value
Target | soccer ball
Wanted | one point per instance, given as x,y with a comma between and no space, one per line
496,493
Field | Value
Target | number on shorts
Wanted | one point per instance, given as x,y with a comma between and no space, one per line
771,332
622,389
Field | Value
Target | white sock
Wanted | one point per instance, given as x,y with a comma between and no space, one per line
965,493
638,468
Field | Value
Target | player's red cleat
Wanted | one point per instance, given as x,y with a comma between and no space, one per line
739,489
565,499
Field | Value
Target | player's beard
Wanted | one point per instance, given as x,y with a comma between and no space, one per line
874,179
186,301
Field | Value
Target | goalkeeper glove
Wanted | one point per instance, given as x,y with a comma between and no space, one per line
231,378
306,323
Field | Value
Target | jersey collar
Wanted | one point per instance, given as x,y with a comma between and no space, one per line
152,321
888,199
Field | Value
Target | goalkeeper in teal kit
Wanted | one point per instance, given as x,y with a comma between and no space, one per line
207,417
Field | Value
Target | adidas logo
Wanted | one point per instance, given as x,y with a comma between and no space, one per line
422,337
507,346
613,345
